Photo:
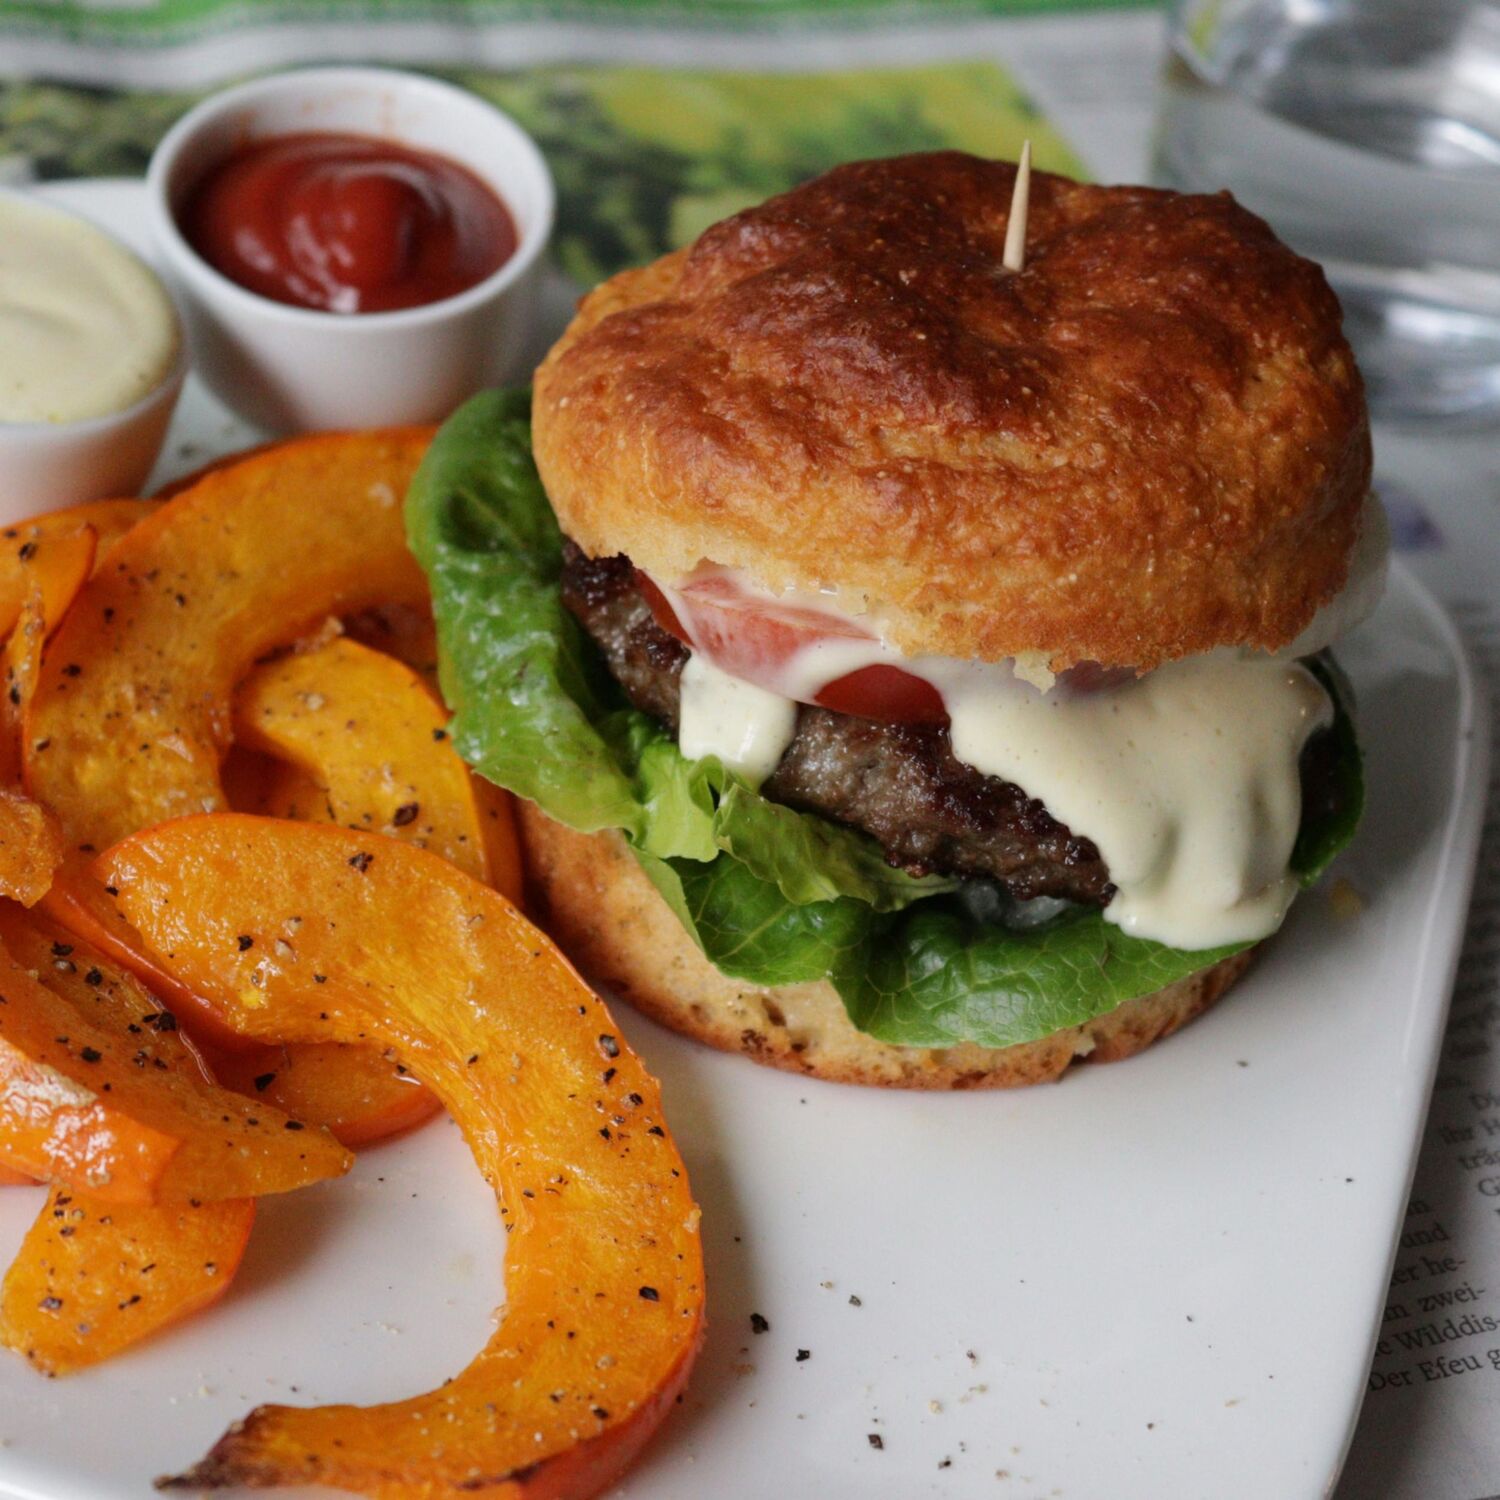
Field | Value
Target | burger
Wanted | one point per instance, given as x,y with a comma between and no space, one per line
915,670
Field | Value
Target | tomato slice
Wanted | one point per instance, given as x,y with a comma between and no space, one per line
757,639
749,635
661,609
886,693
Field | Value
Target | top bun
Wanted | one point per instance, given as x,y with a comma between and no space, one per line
1150,442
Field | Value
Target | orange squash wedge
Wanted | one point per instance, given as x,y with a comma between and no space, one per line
30,847
94,1278
359,1094
356,733
110,520
132,713
104,994
97,1092
183,482
21,545
57,569
378,942
366,731
76,901
50,568
361,742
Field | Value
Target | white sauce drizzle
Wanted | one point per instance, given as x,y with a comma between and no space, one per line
85,327
744,725
1187,779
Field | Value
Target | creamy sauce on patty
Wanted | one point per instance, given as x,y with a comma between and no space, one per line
85,328
1187,779
744,725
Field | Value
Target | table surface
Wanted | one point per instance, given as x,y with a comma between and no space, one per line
1098,86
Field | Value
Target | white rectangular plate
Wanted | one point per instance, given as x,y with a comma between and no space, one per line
1156,1279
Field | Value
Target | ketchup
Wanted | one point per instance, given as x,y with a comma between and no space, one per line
347,223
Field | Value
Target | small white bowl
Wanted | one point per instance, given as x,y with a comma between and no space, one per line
47,465
291,368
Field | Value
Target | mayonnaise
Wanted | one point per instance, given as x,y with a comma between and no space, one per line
744,725
1187,779
85,328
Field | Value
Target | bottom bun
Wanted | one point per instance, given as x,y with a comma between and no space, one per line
602,909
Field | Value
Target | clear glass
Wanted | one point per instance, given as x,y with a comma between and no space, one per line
1368,133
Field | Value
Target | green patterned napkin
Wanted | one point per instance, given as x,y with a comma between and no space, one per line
644,158
155,22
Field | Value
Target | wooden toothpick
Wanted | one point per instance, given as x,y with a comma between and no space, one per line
1014,258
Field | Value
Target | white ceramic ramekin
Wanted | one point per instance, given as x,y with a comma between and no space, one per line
296,369
46,465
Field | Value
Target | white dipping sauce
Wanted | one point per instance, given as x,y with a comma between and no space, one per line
85,328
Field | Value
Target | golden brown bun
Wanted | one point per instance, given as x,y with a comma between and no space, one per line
599,905
1150,442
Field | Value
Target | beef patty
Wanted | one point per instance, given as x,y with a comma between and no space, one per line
900,783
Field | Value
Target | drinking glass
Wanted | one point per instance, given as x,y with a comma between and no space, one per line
1368,133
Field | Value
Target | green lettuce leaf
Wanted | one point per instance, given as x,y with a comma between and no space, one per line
771,895
810,859
535,711
750,930
938,975
525,684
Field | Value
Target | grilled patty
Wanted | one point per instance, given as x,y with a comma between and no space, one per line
900,783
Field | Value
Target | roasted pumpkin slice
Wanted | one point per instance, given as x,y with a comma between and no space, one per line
94,1096
30,847
55,567
132,712
93,1278
357,938
110,520
103,993
76,901
358,1093
21,545
368,732
183,482
90,1277
361,741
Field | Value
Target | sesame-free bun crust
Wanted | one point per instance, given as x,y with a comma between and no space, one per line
597,902
1150,442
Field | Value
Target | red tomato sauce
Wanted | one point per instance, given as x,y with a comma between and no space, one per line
347,223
